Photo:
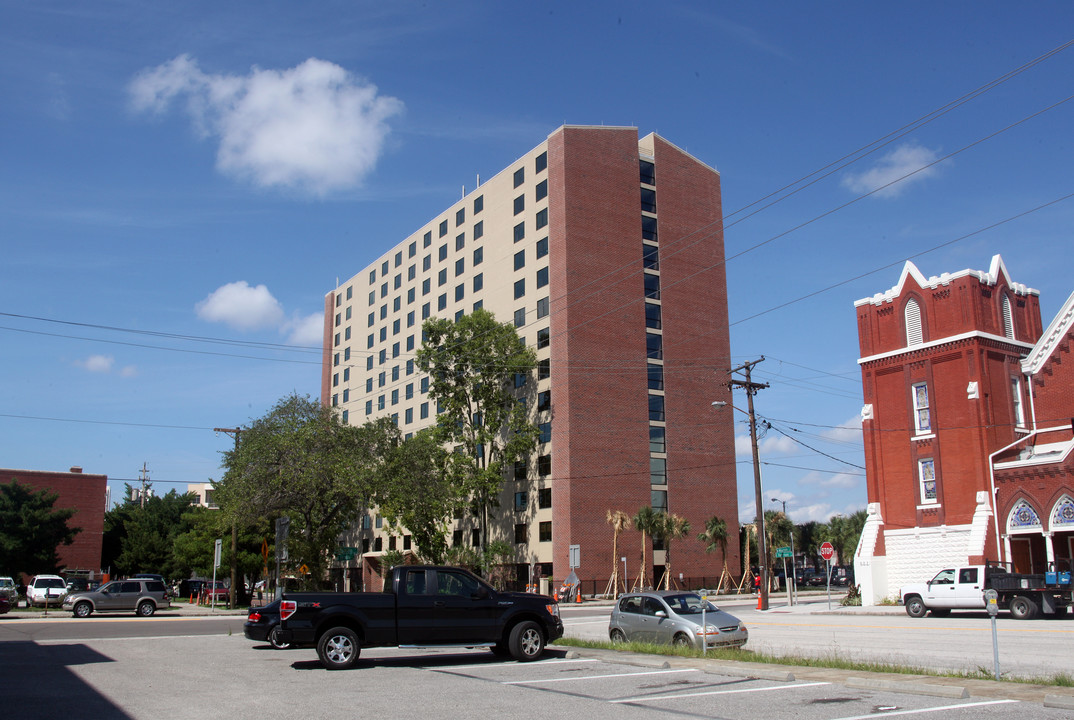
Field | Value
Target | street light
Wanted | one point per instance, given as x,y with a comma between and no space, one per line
794,572
762,549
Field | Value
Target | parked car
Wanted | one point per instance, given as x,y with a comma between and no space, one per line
76,585
143,597
215,593
5,605
43,589
675,617
9,590
263,625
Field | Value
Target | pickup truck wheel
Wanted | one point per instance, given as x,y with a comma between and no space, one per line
146,608
915,608
527,641
1022,608
275,640
83,609
338,649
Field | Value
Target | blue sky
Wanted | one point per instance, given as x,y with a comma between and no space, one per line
177,172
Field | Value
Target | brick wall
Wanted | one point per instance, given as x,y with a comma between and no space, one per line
83,492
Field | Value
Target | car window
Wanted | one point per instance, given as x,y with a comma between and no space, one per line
110,587
451,583
131,587
688,604
630,605
651,606
967,575
154,586
49,583
415,582
944,577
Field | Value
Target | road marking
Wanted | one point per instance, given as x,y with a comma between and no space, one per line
872,716
649,698
596,677
500,663
69,641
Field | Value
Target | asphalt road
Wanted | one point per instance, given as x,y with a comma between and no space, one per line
176,665
963,641
193,668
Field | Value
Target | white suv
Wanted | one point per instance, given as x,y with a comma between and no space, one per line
46,588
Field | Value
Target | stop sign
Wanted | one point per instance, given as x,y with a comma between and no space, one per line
827,550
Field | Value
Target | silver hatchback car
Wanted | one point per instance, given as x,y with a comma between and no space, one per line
140,596
672,616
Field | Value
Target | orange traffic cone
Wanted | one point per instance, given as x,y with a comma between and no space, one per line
758,602
578,597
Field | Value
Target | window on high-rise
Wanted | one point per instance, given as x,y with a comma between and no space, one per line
656,376
922,419
657,441
647,172
520,176
541,219
648,200
542,277
926,470
540,164
520,259
656,407
654,345
652,286
541,191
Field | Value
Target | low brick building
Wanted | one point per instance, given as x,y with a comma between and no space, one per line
82,492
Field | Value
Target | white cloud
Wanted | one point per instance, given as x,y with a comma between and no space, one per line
104,364
850,431
97,363
315,127
306,331
890,168
241,307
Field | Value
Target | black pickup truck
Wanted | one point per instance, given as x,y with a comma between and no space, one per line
421,606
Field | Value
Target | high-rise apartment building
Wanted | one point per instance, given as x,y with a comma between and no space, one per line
606,252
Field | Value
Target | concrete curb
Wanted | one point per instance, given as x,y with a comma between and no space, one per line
1064,702
760,673
912,687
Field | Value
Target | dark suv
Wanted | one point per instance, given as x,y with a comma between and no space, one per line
137,595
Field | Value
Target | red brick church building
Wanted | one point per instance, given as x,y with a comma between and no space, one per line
967,425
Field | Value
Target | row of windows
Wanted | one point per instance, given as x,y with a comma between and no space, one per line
654,341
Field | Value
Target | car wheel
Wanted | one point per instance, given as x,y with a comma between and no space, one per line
526,642
915,608
1022,608
339,648
83,609
146,608
618,636
680,640
276,641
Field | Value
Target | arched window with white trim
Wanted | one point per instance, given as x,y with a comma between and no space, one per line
1023,518
1063,514
912,312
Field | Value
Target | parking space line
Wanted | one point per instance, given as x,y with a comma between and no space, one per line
650,698
493,663
597,677
941,708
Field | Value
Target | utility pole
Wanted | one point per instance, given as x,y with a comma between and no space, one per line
751,389
234,528
144,479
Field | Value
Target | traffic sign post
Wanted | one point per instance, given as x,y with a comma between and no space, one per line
785,552
827,550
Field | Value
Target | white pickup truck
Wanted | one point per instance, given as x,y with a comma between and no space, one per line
1024,595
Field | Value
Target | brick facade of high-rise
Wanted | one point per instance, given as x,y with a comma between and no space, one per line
607,252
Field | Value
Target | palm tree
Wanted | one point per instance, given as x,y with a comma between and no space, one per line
619,521
672,527
715,538
644,522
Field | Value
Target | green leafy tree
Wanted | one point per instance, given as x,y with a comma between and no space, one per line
778,528
498,564
389,560
464,557
421,495
146,533
473,363
843,532
807,539
193,548
300,460
31,529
